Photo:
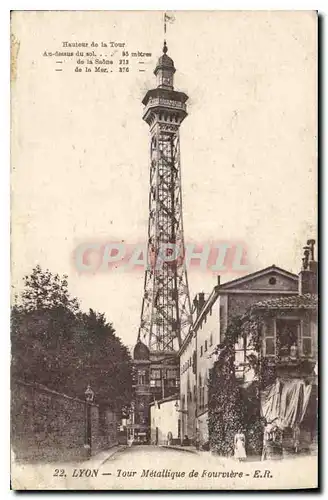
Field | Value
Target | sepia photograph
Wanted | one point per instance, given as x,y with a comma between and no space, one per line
164,250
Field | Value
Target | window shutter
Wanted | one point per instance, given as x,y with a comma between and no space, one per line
307,349
194,362
269,338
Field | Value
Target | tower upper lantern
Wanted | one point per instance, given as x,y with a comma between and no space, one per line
163,104
165,70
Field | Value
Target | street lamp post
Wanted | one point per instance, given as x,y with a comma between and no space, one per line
89,397
130,432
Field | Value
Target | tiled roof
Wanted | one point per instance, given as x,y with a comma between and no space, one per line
307,301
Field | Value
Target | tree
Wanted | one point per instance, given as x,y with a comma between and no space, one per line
44,290
232,407
106,361
226,411
55,344
41,344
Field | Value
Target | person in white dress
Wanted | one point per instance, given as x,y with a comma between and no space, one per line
239,445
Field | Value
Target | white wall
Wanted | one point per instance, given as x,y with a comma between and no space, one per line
165,417
187,386
203,428
208,337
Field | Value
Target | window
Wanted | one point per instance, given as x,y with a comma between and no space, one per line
240,357
269,339
141,418
171,373
156,374
155,383
314,334
211,340
222,322
201,398
155,378
201,350
287,335
172,377
141,377
205,345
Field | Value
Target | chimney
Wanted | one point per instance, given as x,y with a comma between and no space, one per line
308,277
201,300
218,284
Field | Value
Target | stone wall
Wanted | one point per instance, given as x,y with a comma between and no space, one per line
47,425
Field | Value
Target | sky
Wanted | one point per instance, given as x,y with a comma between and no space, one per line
80,166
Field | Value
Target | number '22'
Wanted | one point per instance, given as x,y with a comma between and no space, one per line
59,473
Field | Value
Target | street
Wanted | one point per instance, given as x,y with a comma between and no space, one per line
152,468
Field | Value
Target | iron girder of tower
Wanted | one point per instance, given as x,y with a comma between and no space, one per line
166,311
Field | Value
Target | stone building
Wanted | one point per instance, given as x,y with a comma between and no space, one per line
290,349
289,344
281,335
156,378
197,355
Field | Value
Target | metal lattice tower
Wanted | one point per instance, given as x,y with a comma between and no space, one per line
166,310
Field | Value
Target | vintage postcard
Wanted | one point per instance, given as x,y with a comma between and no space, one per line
164,250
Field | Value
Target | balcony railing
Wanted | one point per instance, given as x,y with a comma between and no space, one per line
168,103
